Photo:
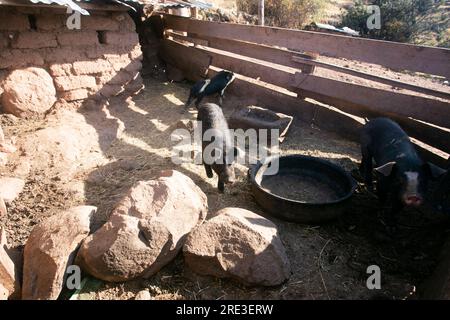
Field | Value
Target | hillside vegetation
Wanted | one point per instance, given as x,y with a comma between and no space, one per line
425,22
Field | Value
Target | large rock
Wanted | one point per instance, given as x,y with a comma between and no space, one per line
10,188
70,141
146,229
28,92
50,249
9,280
238,244
4,293
2,135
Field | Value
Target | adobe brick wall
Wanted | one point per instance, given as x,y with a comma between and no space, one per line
98,61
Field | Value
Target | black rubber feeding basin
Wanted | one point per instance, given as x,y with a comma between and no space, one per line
305,189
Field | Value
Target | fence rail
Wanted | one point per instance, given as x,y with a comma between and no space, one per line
393,55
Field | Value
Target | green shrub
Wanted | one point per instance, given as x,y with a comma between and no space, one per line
285,13
398,19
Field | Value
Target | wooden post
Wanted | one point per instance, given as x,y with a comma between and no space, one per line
194,12
261,12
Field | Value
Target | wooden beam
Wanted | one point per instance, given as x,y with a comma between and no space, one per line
339,93
397,56
193,63
369,76
275,55
181,37
249,67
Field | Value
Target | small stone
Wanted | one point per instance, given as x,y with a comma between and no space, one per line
10,188
143,295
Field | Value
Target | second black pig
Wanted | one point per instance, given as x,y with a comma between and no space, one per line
402,175
218,151
208,87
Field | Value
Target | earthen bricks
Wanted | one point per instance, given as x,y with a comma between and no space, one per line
61,69
78,38
13,22
34,40
91,67
123,39
96,22
51,22
103,59
74,82
16,58
77,94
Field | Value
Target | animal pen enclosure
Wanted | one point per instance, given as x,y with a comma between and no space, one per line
101,146
280,67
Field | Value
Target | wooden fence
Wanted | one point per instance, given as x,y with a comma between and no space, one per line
278,66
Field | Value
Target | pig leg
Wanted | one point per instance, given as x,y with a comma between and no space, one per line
199,99
221,186
221,96
366,168
391,207
189,101
208,170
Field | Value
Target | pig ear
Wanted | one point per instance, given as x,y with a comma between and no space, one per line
386,169
434,171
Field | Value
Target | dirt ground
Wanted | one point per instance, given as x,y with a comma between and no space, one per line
129,140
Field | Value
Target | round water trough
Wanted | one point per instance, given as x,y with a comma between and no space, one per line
304,189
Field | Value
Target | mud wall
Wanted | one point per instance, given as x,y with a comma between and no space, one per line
100,60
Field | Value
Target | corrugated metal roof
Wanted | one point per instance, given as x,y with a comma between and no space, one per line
179,4
166,4
68,3
71,3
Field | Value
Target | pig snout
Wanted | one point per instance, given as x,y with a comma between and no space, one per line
412,195
413,200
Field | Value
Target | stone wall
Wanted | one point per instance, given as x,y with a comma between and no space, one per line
100,60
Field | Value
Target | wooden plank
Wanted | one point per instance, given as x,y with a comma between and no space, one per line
181,37
370,76
397,56
431,135
275,55
193,63
339,93
249,67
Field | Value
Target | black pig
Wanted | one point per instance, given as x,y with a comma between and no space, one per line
208,87
219,144
402,175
